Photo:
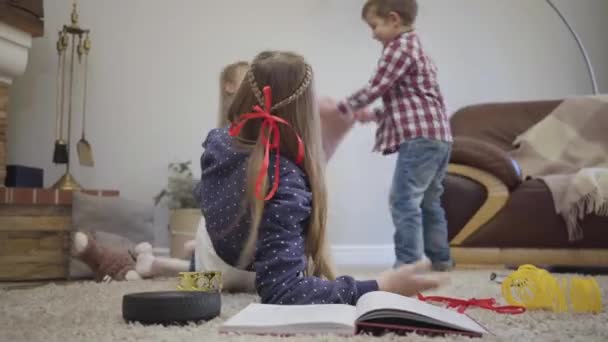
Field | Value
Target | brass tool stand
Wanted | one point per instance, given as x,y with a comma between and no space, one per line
67,38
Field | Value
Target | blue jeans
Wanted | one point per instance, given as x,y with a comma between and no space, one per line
415,202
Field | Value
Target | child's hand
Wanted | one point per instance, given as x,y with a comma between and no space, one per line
328,106
328,110
407,280
365,115
334,125
333,121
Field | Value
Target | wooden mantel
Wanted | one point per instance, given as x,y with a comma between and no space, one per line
24,15
20,22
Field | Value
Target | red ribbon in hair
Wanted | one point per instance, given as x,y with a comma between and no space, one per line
463,304
270,135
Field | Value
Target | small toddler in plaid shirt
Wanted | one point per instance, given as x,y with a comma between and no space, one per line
413,106
412,122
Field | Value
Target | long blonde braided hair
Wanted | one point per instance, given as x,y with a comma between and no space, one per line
290,79
255,88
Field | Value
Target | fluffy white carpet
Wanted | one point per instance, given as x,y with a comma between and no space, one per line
92,312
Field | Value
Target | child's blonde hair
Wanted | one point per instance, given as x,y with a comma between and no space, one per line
406,9
228,75
290,78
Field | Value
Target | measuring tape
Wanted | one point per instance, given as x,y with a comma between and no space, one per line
200,281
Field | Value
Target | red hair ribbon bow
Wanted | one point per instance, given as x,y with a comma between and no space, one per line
463,304
271,138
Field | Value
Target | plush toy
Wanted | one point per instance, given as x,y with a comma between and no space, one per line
105,262
109,263
148,265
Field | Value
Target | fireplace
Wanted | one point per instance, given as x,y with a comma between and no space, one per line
20,22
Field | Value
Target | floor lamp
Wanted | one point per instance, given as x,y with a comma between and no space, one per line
580,46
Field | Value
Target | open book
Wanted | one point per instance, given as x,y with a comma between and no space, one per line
376,313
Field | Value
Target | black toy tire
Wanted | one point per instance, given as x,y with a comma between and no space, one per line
171,307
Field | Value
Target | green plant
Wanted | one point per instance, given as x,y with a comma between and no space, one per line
178,193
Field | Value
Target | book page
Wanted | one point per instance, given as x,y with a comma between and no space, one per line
284,319
373,304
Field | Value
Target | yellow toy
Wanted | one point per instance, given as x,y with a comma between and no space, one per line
200,281
535,288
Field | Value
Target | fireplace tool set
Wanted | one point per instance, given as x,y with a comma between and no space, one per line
77,41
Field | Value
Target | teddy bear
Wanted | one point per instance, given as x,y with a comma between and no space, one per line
124,264
108,263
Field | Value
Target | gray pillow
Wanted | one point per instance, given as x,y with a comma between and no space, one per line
115,222
119,216
162,235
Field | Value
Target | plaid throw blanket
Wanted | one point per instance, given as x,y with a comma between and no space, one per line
568,150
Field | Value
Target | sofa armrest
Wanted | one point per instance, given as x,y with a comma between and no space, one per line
497,196
461,199
487,157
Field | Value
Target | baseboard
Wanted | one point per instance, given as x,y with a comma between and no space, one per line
363,255
541,256
383,256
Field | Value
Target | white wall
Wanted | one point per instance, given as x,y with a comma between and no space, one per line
154,66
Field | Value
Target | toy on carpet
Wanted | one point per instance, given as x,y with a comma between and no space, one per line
200,281
109,263
171,307
198,298
105,262
530,287
536,288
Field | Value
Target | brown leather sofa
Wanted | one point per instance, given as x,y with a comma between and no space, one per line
496,217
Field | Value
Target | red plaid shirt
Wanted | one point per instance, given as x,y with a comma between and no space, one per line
406,79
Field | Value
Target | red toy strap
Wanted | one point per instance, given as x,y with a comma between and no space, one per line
463,304
271,140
